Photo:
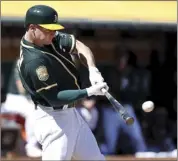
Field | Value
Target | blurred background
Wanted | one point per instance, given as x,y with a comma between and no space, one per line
135,47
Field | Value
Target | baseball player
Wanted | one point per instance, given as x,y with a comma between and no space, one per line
50,76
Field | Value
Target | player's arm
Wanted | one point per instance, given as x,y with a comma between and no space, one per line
87,53
68,43
42,75
94,74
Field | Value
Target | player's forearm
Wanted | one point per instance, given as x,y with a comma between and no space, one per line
86,52
65,97
70,96
90,59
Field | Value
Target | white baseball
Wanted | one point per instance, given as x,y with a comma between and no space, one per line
148,106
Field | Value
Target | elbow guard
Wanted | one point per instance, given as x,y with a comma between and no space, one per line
66,42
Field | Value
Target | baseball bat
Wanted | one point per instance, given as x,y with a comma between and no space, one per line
119,108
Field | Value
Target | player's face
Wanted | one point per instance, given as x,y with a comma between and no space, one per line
43,35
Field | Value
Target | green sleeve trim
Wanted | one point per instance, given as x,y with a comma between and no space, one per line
70,96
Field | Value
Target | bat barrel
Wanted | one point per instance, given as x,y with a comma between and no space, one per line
119,108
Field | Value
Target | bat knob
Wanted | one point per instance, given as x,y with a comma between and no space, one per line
129,120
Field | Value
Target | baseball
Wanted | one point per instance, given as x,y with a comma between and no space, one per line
148,106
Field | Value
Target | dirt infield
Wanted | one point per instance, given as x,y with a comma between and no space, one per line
120,158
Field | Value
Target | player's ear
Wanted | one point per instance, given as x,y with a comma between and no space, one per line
32,27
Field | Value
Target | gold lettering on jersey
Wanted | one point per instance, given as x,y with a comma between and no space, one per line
42,73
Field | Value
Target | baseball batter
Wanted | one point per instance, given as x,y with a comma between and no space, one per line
51,77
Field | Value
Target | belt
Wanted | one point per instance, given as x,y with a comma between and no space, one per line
56,108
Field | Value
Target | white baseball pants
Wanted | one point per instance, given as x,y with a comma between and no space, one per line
64,135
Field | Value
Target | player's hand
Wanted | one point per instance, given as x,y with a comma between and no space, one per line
96,89
95,76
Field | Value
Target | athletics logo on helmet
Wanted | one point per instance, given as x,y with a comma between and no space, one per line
55,18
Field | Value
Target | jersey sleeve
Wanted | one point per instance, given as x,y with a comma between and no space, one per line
42,77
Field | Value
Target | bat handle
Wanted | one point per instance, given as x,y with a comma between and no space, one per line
104,90
106,93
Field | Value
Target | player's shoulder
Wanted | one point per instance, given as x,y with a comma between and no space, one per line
32,59
39,61
31,54
29,51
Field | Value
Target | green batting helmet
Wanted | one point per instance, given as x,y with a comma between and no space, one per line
43,16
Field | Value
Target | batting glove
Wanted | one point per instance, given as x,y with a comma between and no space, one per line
96,89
